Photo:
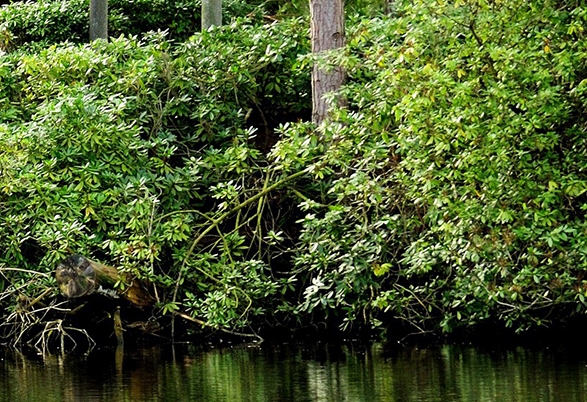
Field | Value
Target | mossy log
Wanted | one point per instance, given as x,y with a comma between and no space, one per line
78,276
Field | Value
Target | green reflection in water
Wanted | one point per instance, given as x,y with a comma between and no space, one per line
298,373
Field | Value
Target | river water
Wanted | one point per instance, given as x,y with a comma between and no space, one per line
298,373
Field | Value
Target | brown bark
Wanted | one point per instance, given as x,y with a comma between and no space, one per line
78,276
327,33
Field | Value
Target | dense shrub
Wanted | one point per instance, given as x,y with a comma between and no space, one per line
454,189
450,190
55,21
126,151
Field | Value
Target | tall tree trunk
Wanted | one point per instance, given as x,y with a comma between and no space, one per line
327,33
98,19
211,13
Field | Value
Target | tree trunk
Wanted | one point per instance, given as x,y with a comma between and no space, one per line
327,33
211,13
77,276
98,20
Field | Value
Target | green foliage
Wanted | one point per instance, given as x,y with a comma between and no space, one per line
55,21
455,182
363,8
126,151
449,191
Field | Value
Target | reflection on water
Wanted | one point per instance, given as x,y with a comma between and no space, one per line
298,373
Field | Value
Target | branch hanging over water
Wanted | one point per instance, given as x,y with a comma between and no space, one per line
226,331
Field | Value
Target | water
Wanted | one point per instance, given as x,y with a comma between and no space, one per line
298,373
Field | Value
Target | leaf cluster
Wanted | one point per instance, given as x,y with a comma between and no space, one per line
125,151
454,183
449,191
41,23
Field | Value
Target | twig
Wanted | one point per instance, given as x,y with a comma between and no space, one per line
214,223
46,275
227,331
36,299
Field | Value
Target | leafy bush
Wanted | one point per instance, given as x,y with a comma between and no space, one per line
454,189
55,21
126,151
450,191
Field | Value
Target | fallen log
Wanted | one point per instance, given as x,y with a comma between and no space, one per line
78,276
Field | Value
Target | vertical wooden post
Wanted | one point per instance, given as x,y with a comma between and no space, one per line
98,20
211,13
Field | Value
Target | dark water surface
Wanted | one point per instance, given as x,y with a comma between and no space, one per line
298,373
